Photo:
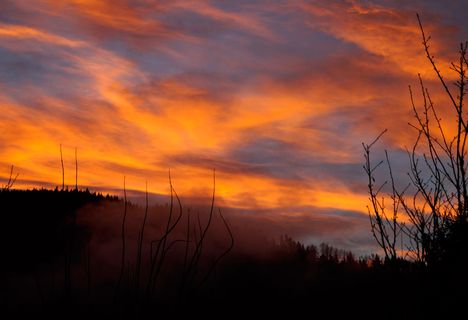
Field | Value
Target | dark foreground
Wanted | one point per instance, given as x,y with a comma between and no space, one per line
61,261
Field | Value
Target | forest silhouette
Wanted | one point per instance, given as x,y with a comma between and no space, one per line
71,253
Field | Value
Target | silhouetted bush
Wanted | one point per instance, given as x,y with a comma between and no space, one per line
435,200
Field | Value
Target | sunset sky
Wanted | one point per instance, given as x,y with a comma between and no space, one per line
277,96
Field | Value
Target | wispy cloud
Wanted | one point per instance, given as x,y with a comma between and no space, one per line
276,95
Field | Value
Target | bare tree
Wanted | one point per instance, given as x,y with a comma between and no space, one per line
384,225
436,197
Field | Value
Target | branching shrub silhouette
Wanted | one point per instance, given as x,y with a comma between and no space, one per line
137,286
42,226
435,201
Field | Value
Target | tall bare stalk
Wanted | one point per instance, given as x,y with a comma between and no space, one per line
11,180
122,228
63,168
76,169
140,243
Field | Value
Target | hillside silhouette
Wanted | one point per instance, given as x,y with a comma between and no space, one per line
55,263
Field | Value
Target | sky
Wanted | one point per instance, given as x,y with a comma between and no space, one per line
277,96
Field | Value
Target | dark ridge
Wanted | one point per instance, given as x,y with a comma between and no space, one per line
36,224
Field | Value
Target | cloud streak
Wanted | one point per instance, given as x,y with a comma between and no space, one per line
277,96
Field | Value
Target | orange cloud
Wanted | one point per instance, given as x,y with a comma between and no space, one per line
25,33
281,121
388,32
